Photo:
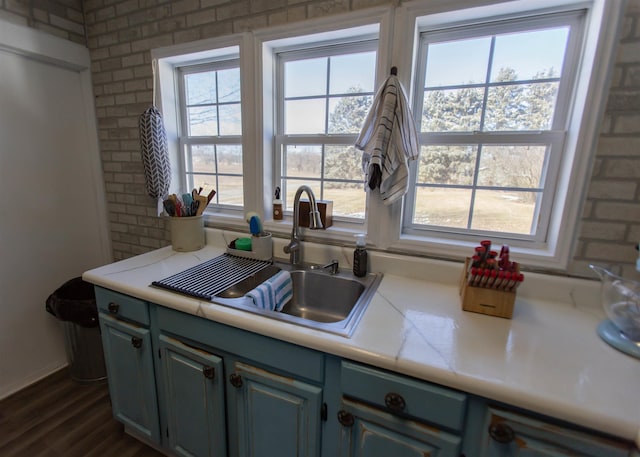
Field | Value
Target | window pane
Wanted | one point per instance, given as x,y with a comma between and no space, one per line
460,62
504,211
303,160
530,55
352,73
343,162
229,85
208,183
304,116
203,121
200,88
203,159
521,107
230,159
512,166
230,119
442,207
447,164
349,199
291,186
230,190
303,78
347,114
452,110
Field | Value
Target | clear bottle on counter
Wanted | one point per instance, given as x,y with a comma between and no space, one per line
360,256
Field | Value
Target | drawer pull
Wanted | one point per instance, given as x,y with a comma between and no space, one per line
395,402
113,308
136,342
501,433
236,380
346,418
208,372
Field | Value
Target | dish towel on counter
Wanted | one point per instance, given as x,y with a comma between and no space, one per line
274,293
388,140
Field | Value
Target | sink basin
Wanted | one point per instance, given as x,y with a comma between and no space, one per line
331,303
321,297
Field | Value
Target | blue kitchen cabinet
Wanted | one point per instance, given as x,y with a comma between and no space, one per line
193,400
271,415
132,385
372,432
273,390
386,414
512,434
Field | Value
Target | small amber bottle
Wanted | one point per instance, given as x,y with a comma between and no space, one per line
277,206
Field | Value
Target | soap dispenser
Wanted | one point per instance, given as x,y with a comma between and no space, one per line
360,256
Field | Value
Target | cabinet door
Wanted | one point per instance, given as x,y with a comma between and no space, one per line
132,385
194,396
370,432
272,415
514,435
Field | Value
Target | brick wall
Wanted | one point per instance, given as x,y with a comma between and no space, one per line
120,34
611,220
63,18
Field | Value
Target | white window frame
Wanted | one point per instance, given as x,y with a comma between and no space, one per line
186,141
552,139
586,108
360,43
169,60
370,23
398,30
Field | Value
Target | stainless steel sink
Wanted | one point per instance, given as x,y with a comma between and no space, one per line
322,301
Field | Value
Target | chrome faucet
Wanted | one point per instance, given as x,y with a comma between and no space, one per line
294,248
333,267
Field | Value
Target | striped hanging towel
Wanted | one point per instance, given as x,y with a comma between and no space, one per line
388,140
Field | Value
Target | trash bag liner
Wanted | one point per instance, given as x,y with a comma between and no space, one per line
74,301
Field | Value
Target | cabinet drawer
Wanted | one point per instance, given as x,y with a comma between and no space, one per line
122,306
511,433
267,351
402,395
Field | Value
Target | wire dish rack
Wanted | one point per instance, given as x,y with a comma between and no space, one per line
212,277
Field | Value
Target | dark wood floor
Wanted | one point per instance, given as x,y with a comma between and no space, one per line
58,417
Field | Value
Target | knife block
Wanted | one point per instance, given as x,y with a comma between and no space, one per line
484,300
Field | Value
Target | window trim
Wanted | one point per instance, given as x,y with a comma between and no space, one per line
594,71
397,27
186,142
552,138
367,22
355,44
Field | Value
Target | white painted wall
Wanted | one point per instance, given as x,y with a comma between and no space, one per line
53,223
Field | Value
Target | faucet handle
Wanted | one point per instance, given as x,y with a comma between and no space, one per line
333,266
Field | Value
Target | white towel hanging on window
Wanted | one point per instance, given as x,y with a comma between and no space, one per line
388,140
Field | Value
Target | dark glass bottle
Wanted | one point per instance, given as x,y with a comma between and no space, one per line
360,257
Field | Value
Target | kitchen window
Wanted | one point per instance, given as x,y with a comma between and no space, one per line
491,103
211,130
508,98
324,95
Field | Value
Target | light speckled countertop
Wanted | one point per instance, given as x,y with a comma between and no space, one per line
547,359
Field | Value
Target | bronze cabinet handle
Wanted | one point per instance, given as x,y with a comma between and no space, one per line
236,380
346,418
501,433
113,308
136,342
208,372
395,402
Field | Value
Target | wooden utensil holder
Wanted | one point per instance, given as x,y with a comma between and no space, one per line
485,300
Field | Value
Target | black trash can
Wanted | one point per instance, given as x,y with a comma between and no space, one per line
74,303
